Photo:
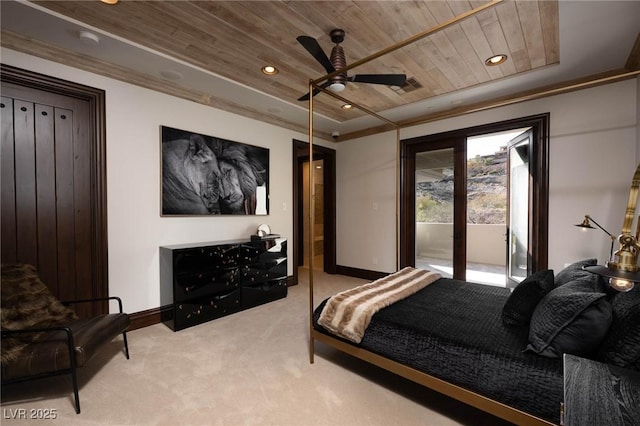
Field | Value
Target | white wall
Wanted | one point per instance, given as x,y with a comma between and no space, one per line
135,229
366,203
593,152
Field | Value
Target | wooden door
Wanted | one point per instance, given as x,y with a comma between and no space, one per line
50,190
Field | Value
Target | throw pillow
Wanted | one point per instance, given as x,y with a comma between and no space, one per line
570,319
621,347
525,297
575,272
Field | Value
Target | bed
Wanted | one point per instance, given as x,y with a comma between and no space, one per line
451,336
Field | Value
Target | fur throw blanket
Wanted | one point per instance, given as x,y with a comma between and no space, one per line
27,303
348,313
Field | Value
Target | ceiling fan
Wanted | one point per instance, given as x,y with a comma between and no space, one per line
338,61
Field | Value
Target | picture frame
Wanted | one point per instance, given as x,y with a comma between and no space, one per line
205,175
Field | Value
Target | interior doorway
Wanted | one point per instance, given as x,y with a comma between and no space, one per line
324,161
318,215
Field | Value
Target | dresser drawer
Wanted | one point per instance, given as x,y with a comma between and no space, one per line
263,271
190,285
206,308
263,250
193,260
262,293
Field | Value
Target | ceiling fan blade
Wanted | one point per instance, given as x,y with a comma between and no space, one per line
386,79
312,46
315,91
306,96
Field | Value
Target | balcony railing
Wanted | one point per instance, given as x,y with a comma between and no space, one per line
486,250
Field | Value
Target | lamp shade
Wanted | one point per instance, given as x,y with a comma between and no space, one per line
585,223
618,280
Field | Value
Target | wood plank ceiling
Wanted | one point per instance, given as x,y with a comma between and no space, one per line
236,38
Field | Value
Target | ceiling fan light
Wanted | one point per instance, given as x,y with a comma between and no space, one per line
336,87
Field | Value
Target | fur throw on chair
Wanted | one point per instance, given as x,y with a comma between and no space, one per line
27,303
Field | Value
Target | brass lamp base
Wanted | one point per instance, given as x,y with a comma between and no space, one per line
624,272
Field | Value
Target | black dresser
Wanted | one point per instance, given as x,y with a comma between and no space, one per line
203,281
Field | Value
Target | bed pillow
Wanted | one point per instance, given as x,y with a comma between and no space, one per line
525,297
572,318
621,347
575,272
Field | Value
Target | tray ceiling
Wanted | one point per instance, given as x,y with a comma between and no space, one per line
212,51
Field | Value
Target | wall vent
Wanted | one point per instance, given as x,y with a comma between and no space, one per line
409,85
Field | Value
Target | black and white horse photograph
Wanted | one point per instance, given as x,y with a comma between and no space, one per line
206,175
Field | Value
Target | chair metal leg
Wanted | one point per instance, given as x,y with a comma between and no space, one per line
76,395
71,347
126,345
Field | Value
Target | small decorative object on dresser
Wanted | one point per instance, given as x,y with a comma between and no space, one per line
204,281
263,230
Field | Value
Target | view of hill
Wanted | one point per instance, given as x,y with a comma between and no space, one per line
486,193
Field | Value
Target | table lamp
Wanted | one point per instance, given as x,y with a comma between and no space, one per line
622,271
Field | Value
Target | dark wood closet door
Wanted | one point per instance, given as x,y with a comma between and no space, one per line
47,198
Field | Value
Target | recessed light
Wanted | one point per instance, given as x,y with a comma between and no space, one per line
270,70
346,106
171,75
495,60
109,1
89,38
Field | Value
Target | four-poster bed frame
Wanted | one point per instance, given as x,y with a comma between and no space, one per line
461,394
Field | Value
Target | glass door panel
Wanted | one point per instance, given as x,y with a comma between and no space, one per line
487,207
519,264
434,220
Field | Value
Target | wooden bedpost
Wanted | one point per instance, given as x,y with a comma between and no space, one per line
397,198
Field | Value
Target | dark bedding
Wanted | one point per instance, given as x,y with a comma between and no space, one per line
453,330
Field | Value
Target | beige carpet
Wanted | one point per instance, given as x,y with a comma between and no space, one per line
250,368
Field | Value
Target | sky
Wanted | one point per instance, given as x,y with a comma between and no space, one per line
489,144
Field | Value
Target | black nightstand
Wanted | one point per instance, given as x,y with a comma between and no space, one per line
598,394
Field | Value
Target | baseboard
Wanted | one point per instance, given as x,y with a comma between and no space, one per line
146,318
359,273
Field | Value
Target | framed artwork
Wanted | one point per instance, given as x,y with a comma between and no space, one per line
206,175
